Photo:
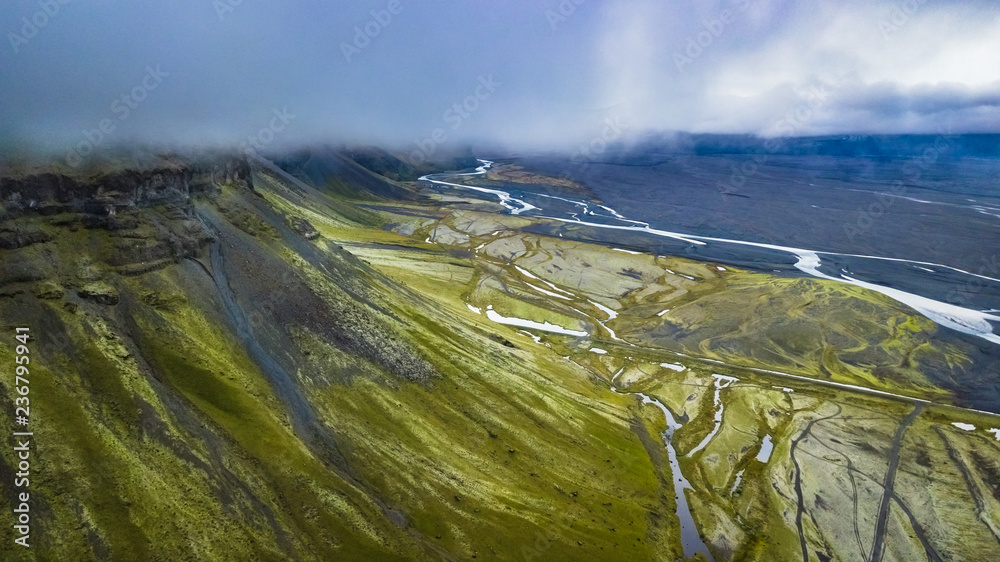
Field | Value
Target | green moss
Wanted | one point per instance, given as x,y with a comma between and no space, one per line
71,449
185,451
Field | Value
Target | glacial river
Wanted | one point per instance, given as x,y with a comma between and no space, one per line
834,266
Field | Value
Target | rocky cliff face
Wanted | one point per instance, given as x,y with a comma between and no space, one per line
193,337
51,193
136,220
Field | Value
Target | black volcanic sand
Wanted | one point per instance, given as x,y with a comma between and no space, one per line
827,203
817,203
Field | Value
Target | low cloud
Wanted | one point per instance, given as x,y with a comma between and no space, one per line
388,71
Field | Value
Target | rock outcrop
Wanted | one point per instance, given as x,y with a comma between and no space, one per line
110,193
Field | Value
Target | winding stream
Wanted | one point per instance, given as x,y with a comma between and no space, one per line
721,381
690,538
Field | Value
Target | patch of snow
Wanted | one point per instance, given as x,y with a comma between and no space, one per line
727,380
531,275
525,272
532,336
520,322
611,313
554,288
549,293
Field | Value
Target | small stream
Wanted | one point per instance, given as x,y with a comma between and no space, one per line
690,538
721,381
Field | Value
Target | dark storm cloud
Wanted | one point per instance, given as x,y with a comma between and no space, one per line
923,99
530,73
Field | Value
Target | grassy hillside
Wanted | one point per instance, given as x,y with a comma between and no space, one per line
334,412
274,371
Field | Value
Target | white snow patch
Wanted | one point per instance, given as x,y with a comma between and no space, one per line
532,336
554,288
549,293
525,272
544,326
675,366
720,379
611,313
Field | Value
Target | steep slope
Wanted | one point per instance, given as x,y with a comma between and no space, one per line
210,380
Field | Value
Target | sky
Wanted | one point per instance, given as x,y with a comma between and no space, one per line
78,74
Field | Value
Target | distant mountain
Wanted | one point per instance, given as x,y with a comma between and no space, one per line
650,148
